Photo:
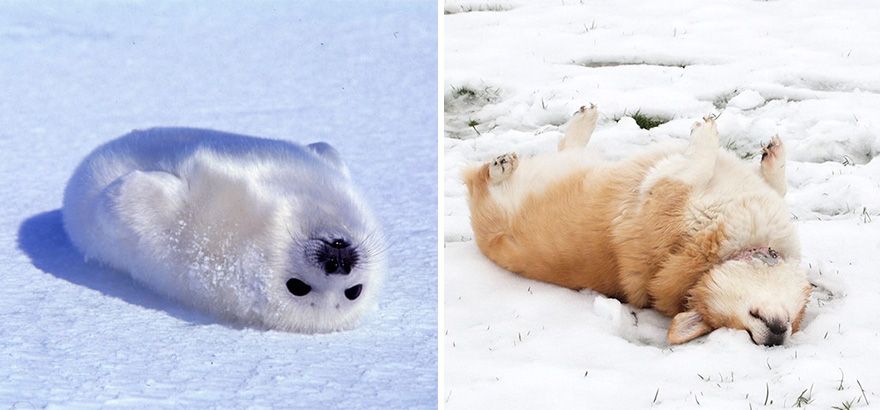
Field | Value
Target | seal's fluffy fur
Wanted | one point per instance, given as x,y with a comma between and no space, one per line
222,221
658,230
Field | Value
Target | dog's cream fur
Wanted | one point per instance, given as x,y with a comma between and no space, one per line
221,221
658,230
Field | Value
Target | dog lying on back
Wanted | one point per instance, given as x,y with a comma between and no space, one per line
694,233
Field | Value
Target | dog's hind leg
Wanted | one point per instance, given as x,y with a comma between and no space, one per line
773,165
695,166
702,153
580,128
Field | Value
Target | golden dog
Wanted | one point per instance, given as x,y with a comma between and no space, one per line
695,233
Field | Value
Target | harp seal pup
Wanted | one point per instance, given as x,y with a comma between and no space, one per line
258,232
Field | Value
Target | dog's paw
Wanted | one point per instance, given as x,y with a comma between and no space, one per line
705,133
586,113
708,123
502,167
773,152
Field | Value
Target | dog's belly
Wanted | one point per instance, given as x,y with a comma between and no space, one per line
562,235
561,232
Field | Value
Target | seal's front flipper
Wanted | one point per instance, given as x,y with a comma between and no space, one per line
140,204
329,154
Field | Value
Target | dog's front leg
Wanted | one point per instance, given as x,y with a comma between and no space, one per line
695,167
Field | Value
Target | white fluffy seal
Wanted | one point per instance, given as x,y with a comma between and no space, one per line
262,233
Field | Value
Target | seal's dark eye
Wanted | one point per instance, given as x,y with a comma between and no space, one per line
298,287
353,292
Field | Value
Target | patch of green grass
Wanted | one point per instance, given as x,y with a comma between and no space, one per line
720,102
805,398
476,7
463,92
591,27
477,96
735,148
863,392
462,104
644,121
846,405
473,124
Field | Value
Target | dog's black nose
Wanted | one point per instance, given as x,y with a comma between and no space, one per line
774,340
337,257
777,327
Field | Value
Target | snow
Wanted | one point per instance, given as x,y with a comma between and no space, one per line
514,73
746,100
73,75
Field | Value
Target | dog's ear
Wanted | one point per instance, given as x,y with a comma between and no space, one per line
685,327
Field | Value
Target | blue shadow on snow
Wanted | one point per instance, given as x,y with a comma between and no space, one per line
43,239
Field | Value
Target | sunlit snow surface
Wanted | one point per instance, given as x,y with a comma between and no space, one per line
808,70
73,75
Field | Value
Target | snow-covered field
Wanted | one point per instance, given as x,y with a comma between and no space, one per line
807,70
360,75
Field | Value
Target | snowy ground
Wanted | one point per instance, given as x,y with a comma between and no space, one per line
515,71
75,74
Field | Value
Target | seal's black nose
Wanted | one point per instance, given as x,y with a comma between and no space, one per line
337,257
